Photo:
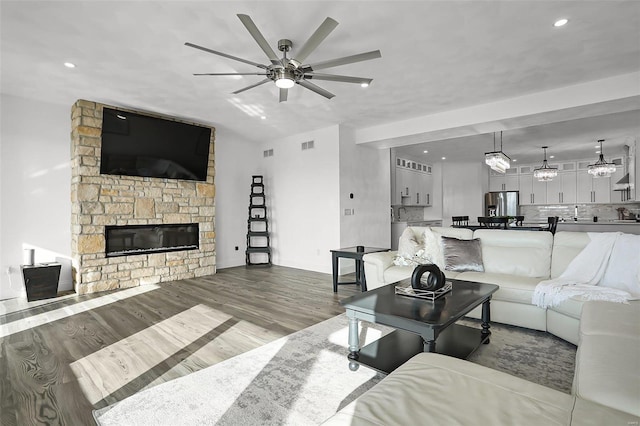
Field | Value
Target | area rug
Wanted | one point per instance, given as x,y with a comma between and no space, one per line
303,379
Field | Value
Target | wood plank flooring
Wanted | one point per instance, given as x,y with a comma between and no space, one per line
61,359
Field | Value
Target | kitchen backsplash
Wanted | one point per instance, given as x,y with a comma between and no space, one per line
604,212
407,213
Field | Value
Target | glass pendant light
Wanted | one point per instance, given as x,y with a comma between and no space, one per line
497,160
545,173
601,168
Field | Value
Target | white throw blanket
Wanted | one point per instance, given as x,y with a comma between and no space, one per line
582,276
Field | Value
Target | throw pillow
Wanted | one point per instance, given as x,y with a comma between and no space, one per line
462,255
408,244
432,248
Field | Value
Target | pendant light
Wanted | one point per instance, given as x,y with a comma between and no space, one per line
545,173
601,168
497,160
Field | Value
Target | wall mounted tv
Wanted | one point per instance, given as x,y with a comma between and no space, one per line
140,145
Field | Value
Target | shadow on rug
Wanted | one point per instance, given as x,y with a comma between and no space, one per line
303,378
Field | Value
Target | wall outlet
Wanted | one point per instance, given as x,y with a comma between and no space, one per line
348,212
236,248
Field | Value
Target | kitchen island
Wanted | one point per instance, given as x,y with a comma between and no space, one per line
626,226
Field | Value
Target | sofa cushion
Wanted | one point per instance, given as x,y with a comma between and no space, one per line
462,255
614,319
571,307
441,390
566,246
523,253
608,371
513,288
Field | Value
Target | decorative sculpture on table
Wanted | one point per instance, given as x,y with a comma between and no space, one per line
435,280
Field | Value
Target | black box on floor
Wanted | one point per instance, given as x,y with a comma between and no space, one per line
41,280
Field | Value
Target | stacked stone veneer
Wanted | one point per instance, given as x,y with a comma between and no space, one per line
99,200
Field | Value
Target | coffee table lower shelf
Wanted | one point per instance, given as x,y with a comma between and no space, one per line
391,351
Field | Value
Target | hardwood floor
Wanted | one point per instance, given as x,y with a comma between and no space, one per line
63,358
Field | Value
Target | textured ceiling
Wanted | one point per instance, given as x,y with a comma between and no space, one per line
436,56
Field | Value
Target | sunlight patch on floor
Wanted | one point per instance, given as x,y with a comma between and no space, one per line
112,367
240,338
67,311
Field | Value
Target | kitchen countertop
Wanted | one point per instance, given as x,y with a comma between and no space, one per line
599,222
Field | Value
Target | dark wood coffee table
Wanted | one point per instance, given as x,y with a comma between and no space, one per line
421,325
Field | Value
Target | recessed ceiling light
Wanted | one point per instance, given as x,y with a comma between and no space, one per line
69,65
514,160
364,85
444,158
552,156
425,151
560,22
598,152
597,147
263,117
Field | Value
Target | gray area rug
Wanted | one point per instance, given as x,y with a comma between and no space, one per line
303,379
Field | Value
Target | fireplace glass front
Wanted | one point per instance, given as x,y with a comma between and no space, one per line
145,239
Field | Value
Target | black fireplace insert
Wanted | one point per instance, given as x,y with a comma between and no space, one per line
144,239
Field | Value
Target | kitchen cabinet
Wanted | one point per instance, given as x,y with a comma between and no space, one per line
592,190
562,189
532,191
413,183
507,181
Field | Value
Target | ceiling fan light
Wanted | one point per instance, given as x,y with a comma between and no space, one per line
285,83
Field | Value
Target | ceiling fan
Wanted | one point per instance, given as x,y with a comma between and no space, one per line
286,72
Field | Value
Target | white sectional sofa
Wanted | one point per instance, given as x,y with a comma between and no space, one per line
440,390
516,261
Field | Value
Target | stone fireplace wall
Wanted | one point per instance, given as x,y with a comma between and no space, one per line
99,200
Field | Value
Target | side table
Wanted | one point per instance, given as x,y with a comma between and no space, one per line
355,253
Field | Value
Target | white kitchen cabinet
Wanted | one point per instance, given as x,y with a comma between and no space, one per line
592,190
413,183
504,181
532,191
562,189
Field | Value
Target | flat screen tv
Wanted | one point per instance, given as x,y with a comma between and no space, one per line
140,145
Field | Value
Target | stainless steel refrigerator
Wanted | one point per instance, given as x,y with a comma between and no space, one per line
502,203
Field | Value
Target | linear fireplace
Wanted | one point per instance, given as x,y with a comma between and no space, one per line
144,239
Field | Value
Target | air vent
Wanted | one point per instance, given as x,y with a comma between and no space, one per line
268,153
307,145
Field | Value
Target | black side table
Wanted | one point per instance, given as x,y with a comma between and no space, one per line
41,280
352,253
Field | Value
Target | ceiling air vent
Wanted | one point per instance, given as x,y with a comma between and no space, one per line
307,145
268,153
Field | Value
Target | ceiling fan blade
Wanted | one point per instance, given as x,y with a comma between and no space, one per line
215,52
259,38
230,73
283,95
374,54
314,88
341,78
266,80
314,41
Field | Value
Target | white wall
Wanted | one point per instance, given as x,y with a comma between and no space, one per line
236,161
463,188
35,188
303,197
365,173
